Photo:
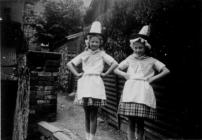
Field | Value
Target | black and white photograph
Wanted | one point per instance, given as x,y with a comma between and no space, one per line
101,69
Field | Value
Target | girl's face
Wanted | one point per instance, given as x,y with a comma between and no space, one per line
138,48
94,43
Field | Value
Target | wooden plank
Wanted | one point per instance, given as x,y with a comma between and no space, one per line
112,102
169,119
108,88
159,95
159,87
163,124
71,135
163,103
168,111
111,112
53,132
61,136
110,80
162,131
111,92
110,84
112,119
48,126
108,111
153,135
123,118
113,98
111,76
113,123
112,108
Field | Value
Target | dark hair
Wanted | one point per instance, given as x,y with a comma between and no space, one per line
95,35
147,50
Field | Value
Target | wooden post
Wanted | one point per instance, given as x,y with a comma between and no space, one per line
22,101
118,98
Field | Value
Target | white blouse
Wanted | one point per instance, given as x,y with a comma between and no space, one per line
91,84
93,61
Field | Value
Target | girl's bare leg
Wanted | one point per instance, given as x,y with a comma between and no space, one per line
131,128
140,128
87,121
93,122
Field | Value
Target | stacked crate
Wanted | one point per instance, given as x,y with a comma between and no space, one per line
44,68
43,98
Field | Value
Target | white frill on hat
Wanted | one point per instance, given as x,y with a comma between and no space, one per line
144,31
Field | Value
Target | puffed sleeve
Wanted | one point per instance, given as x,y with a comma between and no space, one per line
158,65
108,59
124,64
78,59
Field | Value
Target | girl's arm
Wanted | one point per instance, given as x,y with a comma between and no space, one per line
73,70
121,73
163,73
111,68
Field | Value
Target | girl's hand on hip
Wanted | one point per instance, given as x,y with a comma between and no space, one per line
126,76
72,94
79,75
103,74
150,80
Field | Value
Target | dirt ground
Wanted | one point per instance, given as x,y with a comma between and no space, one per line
71,117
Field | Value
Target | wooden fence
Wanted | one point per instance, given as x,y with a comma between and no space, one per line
113,95
168,124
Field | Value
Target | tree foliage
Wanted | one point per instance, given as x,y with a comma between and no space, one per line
125,18
167,18
59,19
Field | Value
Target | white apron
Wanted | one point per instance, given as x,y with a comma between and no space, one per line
91,86
139,91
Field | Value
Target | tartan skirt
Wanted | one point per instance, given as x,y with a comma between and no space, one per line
136,110
90,102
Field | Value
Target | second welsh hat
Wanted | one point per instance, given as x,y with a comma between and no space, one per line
96,28
142,36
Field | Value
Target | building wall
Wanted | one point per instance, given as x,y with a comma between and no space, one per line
16,9
8,63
